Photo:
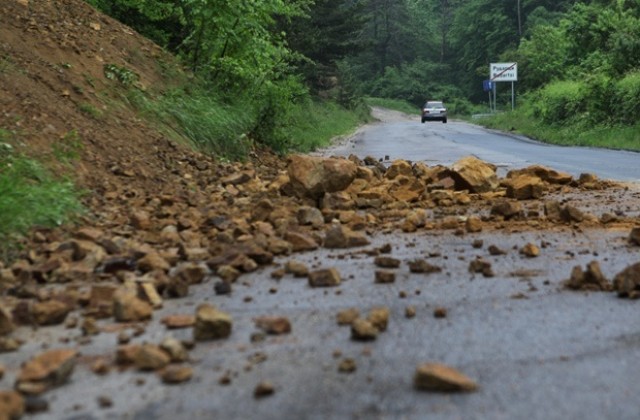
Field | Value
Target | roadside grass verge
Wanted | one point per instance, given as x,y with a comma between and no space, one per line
30,196
569,134
394,104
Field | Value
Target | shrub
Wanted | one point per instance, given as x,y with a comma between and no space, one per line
626,103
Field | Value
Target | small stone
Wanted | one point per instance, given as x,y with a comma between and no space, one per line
34,404
363,330
51,312
125,354
104,401
481,266
473,224
347,365
150,357
634,236
410,312
100,367
440,378
495,250
222,288
6,321
530,250
383,277
440,312
347,316
211,324
571,214
127,307
90,326
175,349
178,321
12,405
275,325
263,389
386,262
324,278
176,374
590,279
507,209
228,273
46,370
627,282
297,268
8,344
379,318
420,265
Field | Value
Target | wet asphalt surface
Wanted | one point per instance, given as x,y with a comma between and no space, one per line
537,351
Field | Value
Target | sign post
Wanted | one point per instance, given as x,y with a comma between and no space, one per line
504,72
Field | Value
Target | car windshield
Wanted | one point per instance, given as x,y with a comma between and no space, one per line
434,105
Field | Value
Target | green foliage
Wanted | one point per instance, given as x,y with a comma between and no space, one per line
90,110
68,148
30,196
125,76
559,101
626,99
395,104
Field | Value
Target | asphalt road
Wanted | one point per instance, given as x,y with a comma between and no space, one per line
437,143
536,350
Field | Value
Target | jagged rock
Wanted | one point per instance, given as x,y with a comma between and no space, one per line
386,262
347,316
397,168
140,219
153,261
363,330
422,266
150,357
525,187
472,174
347,365
308,215
546,174
379,318
147,291
125,355
481,266
178,321
634,236
175,349
440,378
571,214
338,236
46,370
6,321
553,211
589,279
264,389
211,324
127,307
275,325
190,272
473,224
300,242
327,277
507,209
238,178
384,277
313,176
12,405
297,268
627,282
228,273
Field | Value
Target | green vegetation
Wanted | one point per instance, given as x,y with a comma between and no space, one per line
30,196
125,76
395,104
90,110
68,148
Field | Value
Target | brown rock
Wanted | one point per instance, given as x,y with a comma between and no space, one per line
473,224
546,174
46,370
495,250
275,325
440,378
127,307
228,273
571,214
296,268
379,318
525,187
12,405
175,349
384,277
176,374
153,261
238,178
125,355
90,326
313,176
363,330
397,168
410,312
308,215
8,344
178,321
338,236
420,265
150,357
211,324
140,220
627,282
634,236
347,316
507,209
327,277
147,291
263,389
300,242
100,367
6,321
386,262
589,279
481,266
347,365
553,211
440,312
530,250
472,174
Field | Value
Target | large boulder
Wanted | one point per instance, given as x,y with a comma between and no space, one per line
475,175
546,174
312,177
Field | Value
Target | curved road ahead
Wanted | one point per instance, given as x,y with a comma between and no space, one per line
399,137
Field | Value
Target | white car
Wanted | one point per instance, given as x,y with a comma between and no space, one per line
434,111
